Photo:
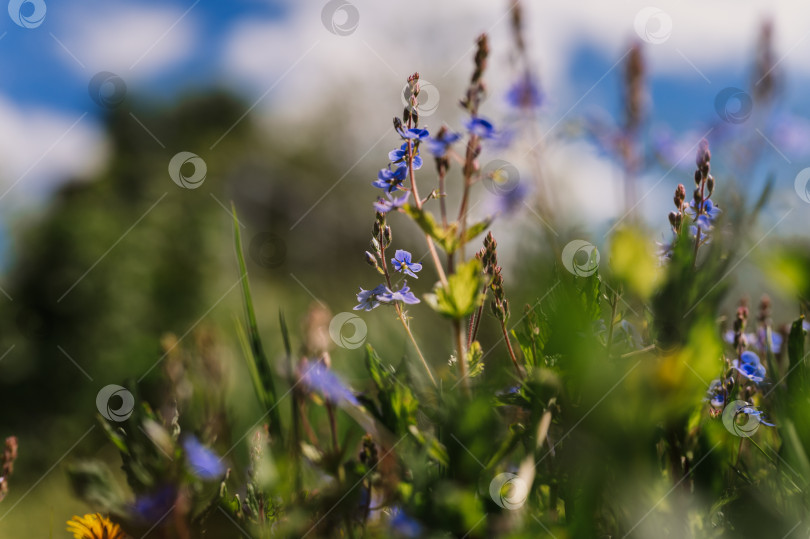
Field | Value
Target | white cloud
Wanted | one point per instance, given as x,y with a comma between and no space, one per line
41,147
133,42
308,67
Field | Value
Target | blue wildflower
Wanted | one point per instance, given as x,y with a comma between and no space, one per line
204,463
402,263
759,415
481,127
413,133
317,377
401,155
391,180
510,200
404,295
403,525
153,506
716,394
749,366
762,341
704,238
710,212
440,144
525,93
370,299
384,206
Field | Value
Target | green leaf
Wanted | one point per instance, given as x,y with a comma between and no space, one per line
532,334
476,229
446,238
462,294
475,360
797,374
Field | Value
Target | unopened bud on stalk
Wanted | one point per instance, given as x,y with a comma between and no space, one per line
387,236
371,259
710,184
675,219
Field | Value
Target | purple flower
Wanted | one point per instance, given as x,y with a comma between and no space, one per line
413,133
384,206
391,180
401,155
317,377
481,127
440,144
404,295
402,263
525,93
204,463
370,299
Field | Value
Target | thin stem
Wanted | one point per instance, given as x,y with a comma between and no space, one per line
613,306
330,409
442,196
468,173
416,346
462,360
511,351
418,202
698,213
400,314
470,330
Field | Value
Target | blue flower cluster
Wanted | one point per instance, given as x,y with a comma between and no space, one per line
371,299
750,367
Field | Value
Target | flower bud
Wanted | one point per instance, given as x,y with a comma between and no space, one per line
697,196
710,184
698,177
675,219
371,259
387,236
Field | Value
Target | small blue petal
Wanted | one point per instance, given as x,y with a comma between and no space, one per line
204,463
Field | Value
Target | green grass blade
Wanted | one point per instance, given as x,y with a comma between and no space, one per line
259,357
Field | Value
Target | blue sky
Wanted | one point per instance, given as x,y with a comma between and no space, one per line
279,55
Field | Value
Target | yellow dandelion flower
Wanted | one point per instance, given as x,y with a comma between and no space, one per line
94,526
